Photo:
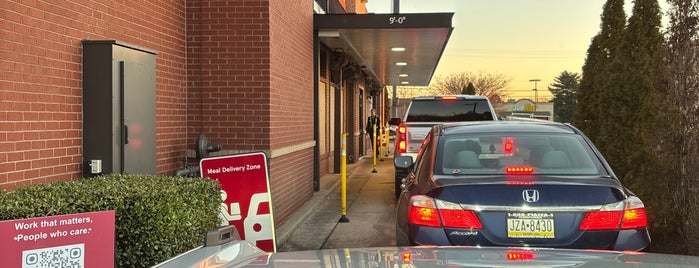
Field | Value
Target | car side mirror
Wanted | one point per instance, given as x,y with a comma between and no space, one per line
404,161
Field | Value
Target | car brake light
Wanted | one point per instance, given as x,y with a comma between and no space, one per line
401,141
449,98
520,255
520,183
407,256
633,215
423,210
508,145
634,218
601,220
516,170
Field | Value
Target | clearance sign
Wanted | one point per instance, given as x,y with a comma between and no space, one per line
245,195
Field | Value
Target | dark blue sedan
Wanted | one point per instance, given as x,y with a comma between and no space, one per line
515,183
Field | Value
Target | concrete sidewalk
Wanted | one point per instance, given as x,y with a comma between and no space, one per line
370,210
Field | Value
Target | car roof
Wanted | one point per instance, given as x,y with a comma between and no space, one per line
431,97
506,127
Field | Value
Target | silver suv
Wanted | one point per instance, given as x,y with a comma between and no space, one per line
427,111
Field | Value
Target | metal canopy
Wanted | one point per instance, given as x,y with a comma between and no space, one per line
369,38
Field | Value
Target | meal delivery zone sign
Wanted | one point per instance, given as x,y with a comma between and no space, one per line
245,195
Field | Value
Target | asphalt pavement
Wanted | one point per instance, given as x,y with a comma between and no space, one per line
370,210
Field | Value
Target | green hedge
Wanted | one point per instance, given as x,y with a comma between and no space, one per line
157,217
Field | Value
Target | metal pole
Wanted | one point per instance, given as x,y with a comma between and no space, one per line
536,92
394,102
343,172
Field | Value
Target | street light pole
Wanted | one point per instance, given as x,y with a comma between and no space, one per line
536,92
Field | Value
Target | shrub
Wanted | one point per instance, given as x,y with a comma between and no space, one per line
157,217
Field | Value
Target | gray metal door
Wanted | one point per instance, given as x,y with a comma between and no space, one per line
136,137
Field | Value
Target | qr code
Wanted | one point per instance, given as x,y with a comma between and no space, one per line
70,256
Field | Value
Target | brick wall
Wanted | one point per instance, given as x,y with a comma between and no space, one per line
250,80
228,73
291,66
240,72
41,90
291,104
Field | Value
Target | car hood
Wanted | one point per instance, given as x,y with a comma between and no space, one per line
244,254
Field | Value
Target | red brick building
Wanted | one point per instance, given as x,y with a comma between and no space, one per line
253,75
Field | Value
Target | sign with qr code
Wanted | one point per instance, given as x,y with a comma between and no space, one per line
245,195
73,240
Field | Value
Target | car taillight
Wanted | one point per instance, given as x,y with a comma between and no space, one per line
401,141
629,214
634,214
426,211
601,220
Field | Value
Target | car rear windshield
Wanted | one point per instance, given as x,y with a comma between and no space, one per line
559,154
454,110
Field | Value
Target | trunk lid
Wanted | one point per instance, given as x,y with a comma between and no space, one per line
544,214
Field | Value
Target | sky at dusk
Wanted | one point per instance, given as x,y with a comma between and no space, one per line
521,39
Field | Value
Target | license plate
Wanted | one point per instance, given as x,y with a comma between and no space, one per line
419,137
530,225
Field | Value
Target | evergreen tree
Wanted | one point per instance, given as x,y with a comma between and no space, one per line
469,90
564,89
681,138
632,95
590,107
630,81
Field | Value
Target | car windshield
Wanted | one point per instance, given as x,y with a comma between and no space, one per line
436,110
542,154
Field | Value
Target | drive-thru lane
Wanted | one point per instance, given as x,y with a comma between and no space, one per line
370,210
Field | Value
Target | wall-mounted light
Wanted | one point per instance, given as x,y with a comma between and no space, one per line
401,63
402,75
398,49
404,82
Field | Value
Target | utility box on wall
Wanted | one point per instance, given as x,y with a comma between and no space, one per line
118,108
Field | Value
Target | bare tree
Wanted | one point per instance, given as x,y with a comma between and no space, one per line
491,85
409,92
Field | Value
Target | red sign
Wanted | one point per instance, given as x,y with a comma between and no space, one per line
245,195
74,240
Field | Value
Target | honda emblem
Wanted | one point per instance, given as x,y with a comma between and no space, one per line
530,196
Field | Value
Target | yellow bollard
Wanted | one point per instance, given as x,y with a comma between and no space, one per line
373,149
343,176
379,142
